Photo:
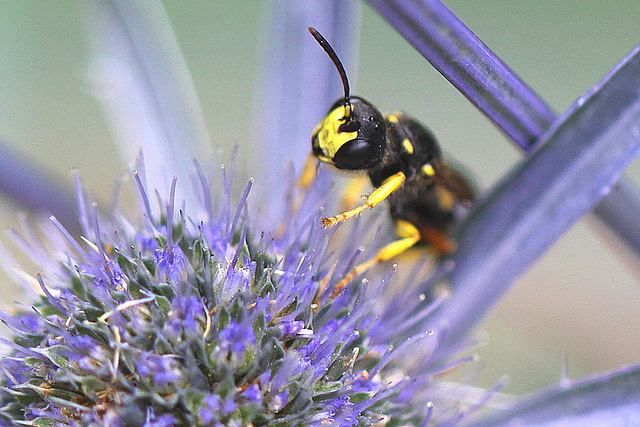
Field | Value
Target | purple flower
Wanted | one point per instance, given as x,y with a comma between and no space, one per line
166,420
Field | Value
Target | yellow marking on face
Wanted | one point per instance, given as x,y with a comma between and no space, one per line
392,118
407,145
329,139
325,159
428,169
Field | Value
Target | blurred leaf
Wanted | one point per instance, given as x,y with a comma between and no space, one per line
36,189
611,399
463,59
579,161
147,92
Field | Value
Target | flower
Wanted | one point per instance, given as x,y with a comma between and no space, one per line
183,321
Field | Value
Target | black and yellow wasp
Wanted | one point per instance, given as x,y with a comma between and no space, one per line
404,164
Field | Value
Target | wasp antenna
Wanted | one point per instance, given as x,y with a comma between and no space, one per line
336,61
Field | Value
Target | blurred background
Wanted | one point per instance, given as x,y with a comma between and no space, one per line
581,299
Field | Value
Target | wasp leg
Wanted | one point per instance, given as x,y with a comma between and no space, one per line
353,192
389,185
308,173
409,234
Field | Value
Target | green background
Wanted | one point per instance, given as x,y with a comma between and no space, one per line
581,299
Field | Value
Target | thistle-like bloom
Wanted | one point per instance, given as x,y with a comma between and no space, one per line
178,320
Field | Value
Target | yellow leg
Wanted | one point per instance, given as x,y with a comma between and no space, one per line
353,192
308,173
410,236
389,185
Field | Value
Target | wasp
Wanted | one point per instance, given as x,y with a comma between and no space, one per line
403,161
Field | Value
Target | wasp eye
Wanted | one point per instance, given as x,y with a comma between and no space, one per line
355,154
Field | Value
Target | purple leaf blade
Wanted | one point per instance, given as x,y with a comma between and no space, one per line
580,159
297,82
609,399
297,85
463,59
36,190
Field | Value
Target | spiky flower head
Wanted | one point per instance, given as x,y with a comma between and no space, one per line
181,321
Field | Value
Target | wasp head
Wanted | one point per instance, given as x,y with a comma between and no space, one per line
351,136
